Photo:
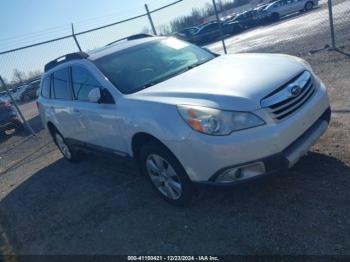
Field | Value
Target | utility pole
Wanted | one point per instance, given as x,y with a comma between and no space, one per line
150,20
330,11
221,29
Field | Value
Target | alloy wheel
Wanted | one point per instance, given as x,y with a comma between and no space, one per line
63,146
164,176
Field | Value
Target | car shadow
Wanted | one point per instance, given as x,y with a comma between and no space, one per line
103,206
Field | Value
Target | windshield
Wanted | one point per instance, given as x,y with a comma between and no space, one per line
191,30
142,66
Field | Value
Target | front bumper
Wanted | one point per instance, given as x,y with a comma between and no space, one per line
9,124
277,144
285,159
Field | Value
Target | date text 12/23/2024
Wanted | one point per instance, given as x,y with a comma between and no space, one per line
173,258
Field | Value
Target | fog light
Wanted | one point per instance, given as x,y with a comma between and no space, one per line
229,175
241,172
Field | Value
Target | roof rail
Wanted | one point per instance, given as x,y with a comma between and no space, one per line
132,37
65,58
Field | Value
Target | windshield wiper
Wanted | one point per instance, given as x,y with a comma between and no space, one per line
198,64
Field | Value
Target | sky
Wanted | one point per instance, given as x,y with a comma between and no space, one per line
24,22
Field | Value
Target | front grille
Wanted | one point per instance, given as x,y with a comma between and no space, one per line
290,97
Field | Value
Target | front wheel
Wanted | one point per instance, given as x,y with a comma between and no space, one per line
166,174
67,152
308,6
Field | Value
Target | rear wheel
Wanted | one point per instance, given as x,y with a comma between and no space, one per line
67,152
166,174
308,6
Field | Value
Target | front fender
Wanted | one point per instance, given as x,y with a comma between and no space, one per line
161,121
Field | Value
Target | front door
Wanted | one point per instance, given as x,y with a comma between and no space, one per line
99,119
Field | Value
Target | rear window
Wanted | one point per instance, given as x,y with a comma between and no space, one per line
60,84
45,89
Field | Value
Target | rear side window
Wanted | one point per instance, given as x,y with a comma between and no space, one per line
45,89
60,84
83,81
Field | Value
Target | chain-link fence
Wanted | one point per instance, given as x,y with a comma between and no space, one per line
307,29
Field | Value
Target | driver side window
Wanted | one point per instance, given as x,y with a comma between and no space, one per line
83,82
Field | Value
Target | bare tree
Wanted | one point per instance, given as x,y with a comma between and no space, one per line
33,75
164,30
146,30
2,88
18,76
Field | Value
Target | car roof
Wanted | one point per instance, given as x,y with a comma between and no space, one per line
118,46
97,53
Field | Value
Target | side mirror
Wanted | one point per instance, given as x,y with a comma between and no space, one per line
95,95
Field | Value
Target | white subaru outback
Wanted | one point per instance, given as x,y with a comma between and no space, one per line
186,115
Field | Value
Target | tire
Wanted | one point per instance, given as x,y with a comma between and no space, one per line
68,153
308,6
166,175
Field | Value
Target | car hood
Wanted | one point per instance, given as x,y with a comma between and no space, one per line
233,82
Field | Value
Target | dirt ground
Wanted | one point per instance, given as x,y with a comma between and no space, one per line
103,206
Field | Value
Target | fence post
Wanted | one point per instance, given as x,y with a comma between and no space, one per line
330,11
26,124
75,38
221,29
150,20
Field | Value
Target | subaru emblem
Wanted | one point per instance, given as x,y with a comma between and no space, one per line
296,90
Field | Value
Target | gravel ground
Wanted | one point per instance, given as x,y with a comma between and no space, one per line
103,206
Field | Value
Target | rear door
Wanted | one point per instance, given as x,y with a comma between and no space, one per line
283,7
60,105
210,31
299,5
292,6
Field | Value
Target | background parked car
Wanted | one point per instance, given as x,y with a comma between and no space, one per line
211,31
206,33
247,19
30,91
278,9
17,92
3,95
8,116
186,33
232,27
14,93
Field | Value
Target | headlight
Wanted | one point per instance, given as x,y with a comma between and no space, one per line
217,122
